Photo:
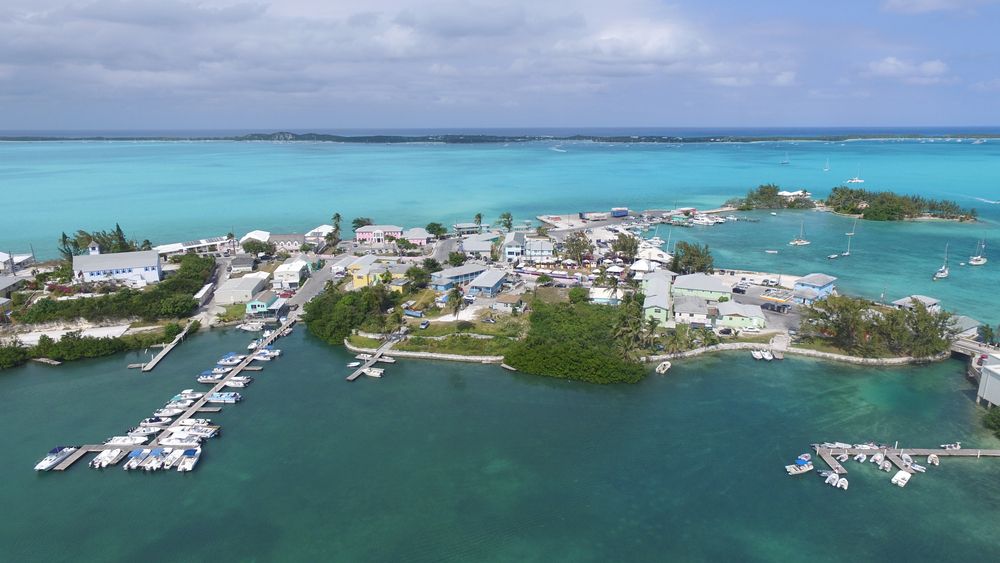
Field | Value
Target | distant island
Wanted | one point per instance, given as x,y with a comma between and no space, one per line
889,206
771,196
473,138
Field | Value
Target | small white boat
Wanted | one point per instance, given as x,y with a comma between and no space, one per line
189,394
843,457
181,440
221,370
374,372
916,467
172,459
105,458
181,404
933,460
194,422
145,431
135,457
943,271
756,354
774,214
801,239
156,421
771,251
886,466
767,355
167,412
354,364
832,256
906,458
860,458
239,383
900,479
231,360
832,480
799,468
53,458
955,446
842,484
663,367
877,458
251,326
189,459
364,357
978,259
128,440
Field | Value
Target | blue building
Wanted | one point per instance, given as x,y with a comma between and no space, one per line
487,284
453,277
812,288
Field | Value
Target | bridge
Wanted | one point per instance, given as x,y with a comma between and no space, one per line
972,348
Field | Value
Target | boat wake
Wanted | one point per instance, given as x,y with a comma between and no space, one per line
984,200
557,149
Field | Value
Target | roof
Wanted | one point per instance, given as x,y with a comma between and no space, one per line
383,228
117,260
18,258
489,278
320,231
538,245
513,238
292,237
266,297
734,309
509,298
344,262
463,270
606,293
642,265
416,232
182,246
661,300
277,304
962,323
701,282
816,280
242,260
262,236
465,226
294,265
907,301
690,304
9,281
246,283
805,293
366,260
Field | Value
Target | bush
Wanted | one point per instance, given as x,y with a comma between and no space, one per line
462,326
578,295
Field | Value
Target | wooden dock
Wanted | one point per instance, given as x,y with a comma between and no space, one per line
209,409
894,455
47,361
166,350
372,360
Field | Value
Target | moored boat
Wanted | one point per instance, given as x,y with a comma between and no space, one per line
901,478
189,459
54,457
663,367
155,421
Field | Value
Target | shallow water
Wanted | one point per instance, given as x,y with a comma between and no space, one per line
441,461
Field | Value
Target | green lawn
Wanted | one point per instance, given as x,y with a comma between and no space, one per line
234,312
505,326
457,344
364,341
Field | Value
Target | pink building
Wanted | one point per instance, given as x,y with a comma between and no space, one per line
418,236
377,234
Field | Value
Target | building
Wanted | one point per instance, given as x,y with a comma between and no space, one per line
204,294
399,285
812,288
241,290
242,264
340,266
508,303
317,236
691,310
140,267
487,284
418,236
288,243
606,295
10,284
538,250
512,247
361,262
989,382
374,274
11,263
453,277
656,288
262,236
377,234
932,305
213,244
965,327
267,306
463,229
291,275
700,285
739,315
479,245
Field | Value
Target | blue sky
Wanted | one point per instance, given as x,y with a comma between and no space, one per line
301,64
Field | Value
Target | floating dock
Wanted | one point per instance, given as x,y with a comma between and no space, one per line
894,455
370,361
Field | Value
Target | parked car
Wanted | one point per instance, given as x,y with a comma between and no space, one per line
751,329
424,324
490,320
740,290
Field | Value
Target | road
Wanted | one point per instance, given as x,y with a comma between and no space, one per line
444,247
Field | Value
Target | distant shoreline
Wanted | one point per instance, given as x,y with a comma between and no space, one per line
459,139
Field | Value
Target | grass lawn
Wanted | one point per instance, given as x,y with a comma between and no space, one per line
552,294
505,326
819,346
457,344
234,312
364,341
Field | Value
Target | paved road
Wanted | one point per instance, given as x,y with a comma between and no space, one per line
315,284
442,248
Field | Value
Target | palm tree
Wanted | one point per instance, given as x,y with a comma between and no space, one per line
478,219
455,301
651,325
336,228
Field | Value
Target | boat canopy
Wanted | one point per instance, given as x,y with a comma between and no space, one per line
800,461
190,453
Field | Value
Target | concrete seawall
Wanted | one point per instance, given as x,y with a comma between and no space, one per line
729,346
428,355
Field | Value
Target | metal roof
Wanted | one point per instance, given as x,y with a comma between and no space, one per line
700,282
489,278
816,280
117,260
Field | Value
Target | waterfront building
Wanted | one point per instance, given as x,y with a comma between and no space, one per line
812,288
241,290
700,285
691,310
453,277
989,381
933,305
738,315
266,306
656,288
418,236
508,303
462,229
211,244
242,264
487,284
317,236
288,243
291,274
262,236
965,327
479,245
140,267
377,234
10,263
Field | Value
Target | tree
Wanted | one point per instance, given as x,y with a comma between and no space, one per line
679,339
306,247
254,246
386,278
478,219
455,300
691,258
986,334
359,222
436,229
578,246
335,234
419,277
542,231
625,246
544,278
456,258
506,221
578,295
432,265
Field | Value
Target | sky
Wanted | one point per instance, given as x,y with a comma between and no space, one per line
333,64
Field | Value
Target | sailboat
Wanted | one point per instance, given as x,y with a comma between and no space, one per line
857,179
850,236
826,167
942,272
801,239
978,259
786,161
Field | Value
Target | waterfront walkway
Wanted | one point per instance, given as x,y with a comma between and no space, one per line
166,349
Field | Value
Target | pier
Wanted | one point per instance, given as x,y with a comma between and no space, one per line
166,349
372,360
894,455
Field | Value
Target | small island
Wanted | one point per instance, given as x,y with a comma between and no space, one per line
889,206
771,196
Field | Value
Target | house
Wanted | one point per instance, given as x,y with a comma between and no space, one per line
10,284
700,285
512,247
377,234
739,315
487,284
989,382
242,263
643,266
241,290
375,273
266,306
11,263
932,305
691,310
288,243
291,274
212,244
418,236
340,266
508,303
463,229
812,288
656,288
140,267
538,250
317,236
606,295
399,285
262,236
479,245
361,262
459,275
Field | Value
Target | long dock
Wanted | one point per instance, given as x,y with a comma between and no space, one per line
372,360
166,349
895,455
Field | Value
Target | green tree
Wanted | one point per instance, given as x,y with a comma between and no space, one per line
436,229
578,295
986,334
254,246
455,300
506,221
578,246
691,258
625,246
478,219
456,258
335,234
419,277
359,222
432,265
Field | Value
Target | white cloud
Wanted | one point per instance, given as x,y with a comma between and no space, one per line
992,85
931,71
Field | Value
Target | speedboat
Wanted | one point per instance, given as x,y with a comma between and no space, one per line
153,461
843,457
231,359
955,446
202,432
932,459
220,370
860,458
842,484
135,457
239,382
105,458
803,464
189,394
172,459
183,404
832,256
901,478
354,364
156,421
254,326
181,440
832,480
209,379
54,457
194,422
767,355
126,440
145,431
756,354
224,397
836,445
168,412
374,372
189,459
916,467
253,345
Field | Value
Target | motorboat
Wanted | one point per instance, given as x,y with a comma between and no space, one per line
877,458
756,354
860,458
153,461
843,457
172,459
363,357
836,445
135,457
663,367
209,379
181,440
239,382
189,459
126,440
105,458
231,360
253,326
194,422
886,466
803,464
955,446
901,478
145,431
978,259
182,404
916,467
933,460
354,364
943,271
842,483
868,446
54,457
832,256
220,370
374,372
253,345
832,480
767,355
189,394
156,421
168,412
202,432
907,459
224,397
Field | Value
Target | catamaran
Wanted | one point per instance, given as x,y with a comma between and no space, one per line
857,179
801,239
978,259
942,272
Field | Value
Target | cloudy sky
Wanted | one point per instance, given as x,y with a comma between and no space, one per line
299,64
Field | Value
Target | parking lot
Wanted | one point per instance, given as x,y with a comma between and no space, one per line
777,321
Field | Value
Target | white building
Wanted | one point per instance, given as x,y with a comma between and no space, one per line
291,274
691,310
262,236
318,235
932,305
241,290
140,267
11,263
989,382
211,244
